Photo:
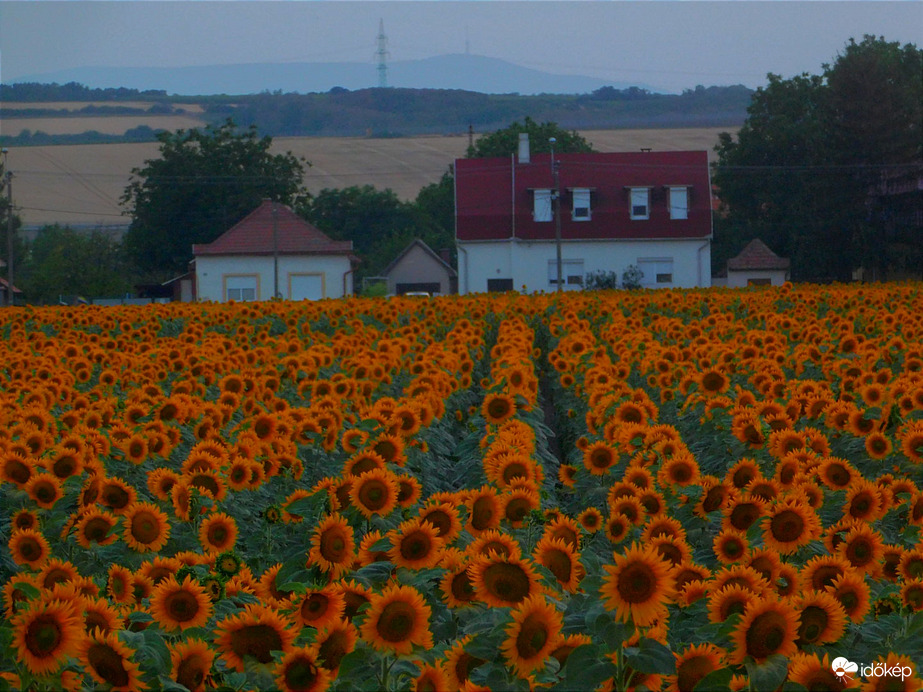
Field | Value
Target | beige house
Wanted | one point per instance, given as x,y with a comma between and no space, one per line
418,268
273,252
757,265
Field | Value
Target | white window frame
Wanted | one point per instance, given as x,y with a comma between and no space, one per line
234,290
572,272
678,199
541,205
581,208
661,269
639,198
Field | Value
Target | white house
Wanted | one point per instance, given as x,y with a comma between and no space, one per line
273,252
614,210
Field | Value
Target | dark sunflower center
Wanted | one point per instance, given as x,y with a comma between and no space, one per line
43,636
766,635
145,528
332,650
182,606
257,641
374,495
300,674
415,546
813,623
191,672
440,520
558,562
690,671
532,637
108,664
462,589
787,526
507,582
396,622
636,583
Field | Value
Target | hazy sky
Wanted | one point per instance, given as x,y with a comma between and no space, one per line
669,45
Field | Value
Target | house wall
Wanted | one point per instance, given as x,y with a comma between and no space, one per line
527,263
418,266
213,271
740,279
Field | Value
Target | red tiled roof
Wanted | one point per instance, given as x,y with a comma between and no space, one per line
253,235
757,256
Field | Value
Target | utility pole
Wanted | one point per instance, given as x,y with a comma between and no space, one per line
8,175
275,251
556,198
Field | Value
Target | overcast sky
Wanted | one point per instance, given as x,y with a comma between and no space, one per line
666,44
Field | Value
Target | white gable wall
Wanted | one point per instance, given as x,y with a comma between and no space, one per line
744,277
300,276
527,263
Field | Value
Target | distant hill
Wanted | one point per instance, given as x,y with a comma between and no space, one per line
457,71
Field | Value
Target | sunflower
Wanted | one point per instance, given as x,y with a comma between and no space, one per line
617,528
681,470
355,595
502,581
46,634
118,584
256,632
730,546
409,490
16,469
459,663
498,408
320,608
180,606
743,511
191,663
878,446
415,544
432,678
44,489
110,662
374,492
218,533
397,619
822,618
484,510
161,481
891,683
864,501
99,614
638,586
561,560
863,548
333,546
566,528
518,503
456,587
912,594
117,495
444,517
769,626
591,519
814,673
29,547
147,528
334,642
837,473
694,663
789,525
853,593
534,633
729,600
599,457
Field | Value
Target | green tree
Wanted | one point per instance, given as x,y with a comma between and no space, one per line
9,219
799,172
202,184
506,141
63,261
378,223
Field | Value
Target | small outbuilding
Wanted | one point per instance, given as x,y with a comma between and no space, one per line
757,265
273,252
419,269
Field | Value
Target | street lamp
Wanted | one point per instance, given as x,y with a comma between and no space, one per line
556,196
8,175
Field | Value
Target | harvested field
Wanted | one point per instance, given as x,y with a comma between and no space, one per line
81,184
106,124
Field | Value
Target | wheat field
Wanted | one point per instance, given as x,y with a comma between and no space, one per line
80,185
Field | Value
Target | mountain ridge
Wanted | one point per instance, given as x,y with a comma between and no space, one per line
463,71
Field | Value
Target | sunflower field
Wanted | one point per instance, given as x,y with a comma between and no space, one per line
651,490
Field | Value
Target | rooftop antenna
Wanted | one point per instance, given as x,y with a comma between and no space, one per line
382,54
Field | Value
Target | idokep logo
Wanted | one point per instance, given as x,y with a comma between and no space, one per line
846,670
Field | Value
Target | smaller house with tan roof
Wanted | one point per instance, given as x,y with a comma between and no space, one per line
757,265
273,252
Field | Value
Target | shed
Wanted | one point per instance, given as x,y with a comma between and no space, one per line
419,268
757,265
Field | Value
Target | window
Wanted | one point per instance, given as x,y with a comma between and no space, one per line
240,288
499,285
541,210
678,197
657,271
571,272
581,205
640,203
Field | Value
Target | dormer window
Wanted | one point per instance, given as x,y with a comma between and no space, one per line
640,201
678,200
541,205
581,204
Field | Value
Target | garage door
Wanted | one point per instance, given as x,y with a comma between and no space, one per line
306,286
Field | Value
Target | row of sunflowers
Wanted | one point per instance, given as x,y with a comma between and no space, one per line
654,490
